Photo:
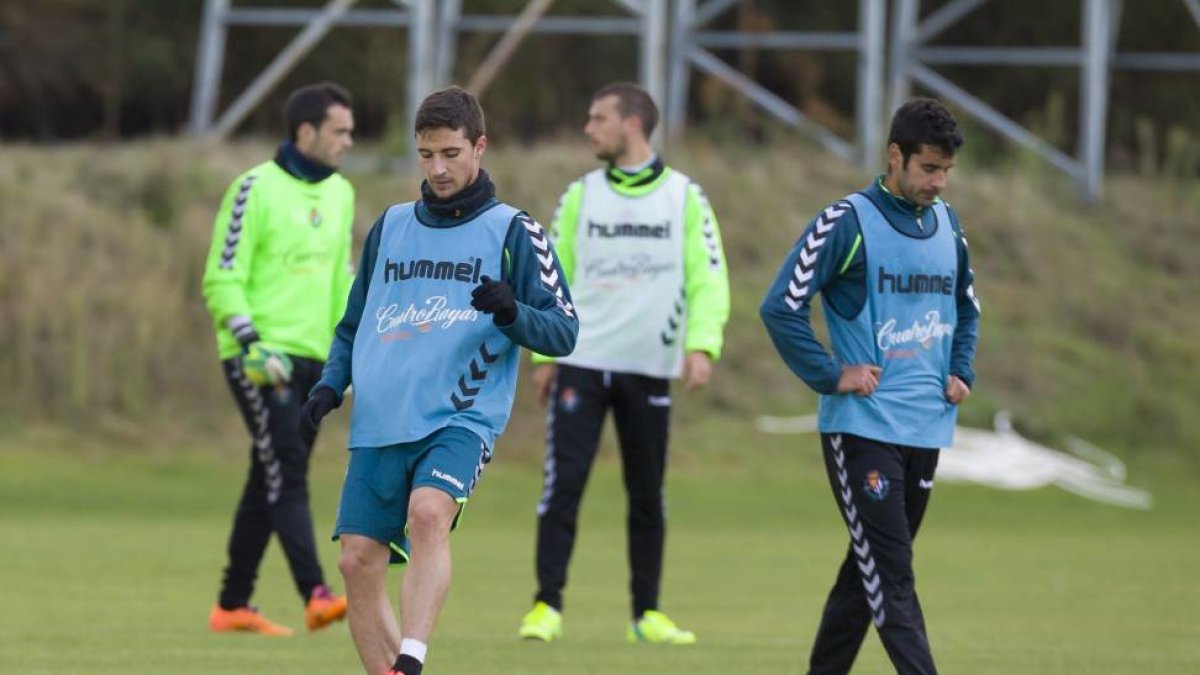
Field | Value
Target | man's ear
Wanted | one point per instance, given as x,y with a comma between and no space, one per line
634,123
305,133
895,157
480,147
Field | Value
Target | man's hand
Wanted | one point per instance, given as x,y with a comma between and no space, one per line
543,378
861,379
956,390
697,370
313,411
495,298
265,366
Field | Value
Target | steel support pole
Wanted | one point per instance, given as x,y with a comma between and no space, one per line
1193,7
948,91
449,12
944,17
503,50
712,9
1097,25
654,52
206,87
904,30
283,63
679,70
770,102
420,59
634,7
870,77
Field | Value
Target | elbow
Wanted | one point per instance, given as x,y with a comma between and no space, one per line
567,344
769,310
768,313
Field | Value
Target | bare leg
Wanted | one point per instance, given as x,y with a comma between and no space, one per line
373,627
427,579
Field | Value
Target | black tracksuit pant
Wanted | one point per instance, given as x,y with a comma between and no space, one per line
580,399
881,490
275,497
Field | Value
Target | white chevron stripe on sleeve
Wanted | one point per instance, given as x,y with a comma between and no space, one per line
234,234
806,260
548,273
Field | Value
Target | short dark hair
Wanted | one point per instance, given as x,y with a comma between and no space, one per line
451,108
632,99
924,121
311,103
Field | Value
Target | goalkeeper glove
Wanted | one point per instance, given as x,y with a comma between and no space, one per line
265,366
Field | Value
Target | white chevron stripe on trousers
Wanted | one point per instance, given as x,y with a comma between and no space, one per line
264,446
549,469
862,548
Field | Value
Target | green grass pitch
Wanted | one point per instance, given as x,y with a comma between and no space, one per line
111,561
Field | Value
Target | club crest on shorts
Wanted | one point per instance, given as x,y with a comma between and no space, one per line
875,486
568,400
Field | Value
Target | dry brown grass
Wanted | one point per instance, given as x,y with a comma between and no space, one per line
1090,316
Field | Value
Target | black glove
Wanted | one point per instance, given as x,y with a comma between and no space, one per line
314,409
495,298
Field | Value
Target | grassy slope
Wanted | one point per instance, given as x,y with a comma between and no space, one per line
1087,328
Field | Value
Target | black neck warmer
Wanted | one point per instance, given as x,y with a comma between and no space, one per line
467,201
296,163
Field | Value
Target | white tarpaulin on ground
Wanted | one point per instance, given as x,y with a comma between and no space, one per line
1002,458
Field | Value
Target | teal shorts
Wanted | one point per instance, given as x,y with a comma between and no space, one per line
379,481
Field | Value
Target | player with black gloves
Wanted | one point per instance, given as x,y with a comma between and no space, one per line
449,288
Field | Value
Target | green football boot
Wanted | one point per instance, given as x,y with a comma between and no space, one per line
655,627
543,622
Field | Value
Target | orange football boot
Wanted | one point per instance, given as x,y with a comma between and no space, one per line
324,608
244,619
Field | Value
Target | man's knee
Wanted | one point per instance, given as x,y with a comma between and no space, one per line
362,557
430,513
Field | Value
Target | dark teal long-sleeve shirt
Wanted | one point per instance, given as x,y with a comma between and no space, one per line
840,276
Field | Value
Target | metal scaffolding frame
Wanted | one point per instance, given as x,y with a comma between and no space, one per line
433,29
677,41
912,56
673,40
690,45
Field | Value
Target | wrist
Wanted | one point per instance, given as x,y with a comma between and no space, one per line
505,317
325,394
243,330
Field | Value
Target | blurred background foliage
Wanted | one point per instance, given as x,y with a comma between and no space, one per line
73,69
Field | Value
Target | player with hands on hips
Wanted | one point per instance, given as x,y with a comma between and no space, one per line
891,265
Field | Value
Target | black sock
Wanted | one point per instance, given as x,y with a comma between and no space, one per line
408,665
